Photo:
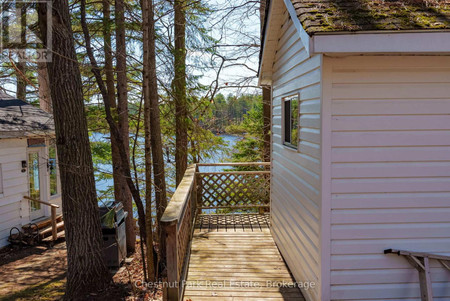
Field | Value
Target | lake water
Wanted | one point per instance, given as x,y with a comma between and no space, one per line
105,184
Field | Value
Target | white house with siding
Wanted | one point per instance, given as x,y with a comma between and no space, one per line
27,165
360,143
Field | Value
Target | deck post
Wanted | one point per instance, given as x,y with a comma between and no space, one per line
194,198
54,227
426,289
172,262
198,192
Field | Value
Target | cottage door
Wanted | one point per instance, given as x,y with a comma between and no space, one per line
35,185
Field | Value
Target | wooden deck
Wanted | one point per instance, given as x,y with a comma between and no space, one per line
233,257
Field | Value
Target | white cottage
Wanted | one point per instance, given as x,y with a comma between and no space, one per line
27,165
360,143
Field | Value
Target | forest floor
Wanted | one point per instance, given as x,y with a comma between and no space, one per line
39,273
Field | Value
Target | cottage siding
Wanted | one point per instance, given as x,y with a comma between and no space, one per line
296,173
390,173
13,210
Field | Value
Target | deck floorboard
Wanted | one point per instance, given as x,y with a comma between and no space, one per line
233,257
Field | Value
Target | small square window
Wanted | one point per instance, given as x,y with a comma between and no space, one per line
291,106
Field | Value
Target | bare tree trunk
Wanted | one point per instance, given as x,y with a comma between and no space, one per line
45,99
147,128
21,84
86,271
121,191
195,155
109,81
157,150
122,111
109,69
179,85
125,162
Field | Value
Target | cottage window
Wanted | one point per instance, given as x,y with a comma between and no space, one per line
52,169
291,105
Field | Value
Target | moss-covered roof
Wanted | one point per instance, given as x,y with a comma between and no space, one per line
365,15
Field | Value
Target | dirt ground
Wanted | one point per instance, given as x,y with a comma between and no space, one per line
39,273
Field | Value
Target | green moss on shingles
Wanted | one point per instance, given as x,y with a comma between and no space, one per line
439,26
425,20
377,16
353,15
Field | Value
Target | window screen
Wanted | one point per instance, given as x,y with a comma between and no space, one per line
291,104
52,169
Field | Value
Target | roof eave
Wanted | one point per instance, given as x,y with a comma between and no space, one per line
271,29
326,33
382,42
26,134
262,81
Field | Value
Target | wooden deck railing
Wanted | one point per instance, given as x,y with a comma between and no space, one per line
207,191
178,219
53,208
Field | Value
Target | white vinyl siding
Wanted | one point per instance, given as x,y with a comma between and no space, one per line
390,173
295,190
13,210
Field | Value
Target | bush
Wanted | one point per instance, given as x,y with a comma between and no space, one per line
235,129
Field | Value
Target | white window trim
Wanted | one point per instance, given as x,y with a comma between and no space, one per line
291,146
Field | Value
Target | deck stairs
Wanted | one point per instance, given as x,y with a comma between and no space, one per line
45,228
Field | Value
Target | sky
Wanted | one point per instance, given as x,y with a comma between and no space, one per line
240,26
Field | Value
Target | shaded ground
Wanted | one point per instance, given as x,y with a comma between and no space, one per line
37,266
39,273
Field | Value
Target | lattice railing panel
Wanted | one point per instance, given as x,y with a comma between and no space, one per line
234,189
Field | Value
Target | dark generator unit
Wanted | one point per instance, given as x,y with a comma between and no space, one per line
114,236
